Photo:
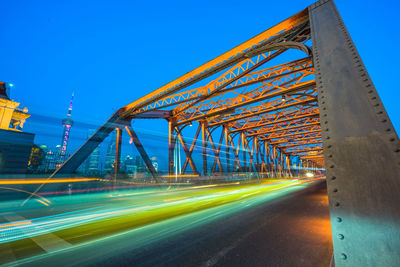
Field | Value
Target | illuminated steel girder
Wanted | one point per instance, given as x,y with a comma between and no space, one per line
274,105
316,141
244,51
277,119
276,72
264,92
301,138
297,133
303,124
302,151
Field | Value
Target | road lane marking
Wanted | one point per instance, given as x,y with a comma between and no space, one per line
6,254
49,242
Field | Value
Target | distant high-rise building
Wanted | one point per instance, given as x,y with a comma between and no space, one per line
51,161
154,162
140,164
110,154
129,165
67,123
92,162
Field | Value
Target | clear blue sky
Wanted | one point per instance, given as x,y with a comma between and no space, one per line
112,52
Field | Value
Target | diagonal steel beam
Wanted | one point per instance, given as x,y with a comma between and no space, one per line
188,154
141,151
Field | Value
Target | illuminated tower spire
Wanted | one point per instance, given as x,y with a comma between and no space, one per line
67,123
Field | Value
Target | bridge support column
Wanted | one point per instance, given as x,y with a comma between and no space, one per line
242,136
361,148
204,143
263,158
256,153
117,161
171,146
226,133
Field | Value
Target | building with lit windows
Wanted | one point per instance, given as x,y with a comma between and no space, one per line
92,162
15,145
110,154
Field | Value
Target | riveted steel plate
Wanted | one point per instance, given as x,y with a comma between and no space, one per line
361,148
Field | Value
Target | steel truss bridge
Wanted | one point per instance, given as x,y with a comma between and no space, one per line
317,106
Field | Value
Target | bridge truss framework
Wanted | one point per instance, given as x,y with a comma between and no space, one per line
317,106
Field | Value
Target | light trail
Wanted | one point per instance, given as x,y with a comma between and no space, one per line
43,200
131,211
46,181
183,202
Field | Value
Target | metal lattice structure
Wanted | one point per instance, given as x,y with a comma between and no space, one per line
298,91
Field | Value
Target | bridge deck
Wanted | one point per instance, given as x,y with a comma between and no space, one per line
287,228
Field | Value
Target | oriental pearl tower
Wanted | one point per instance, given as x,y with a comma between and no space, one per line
67,123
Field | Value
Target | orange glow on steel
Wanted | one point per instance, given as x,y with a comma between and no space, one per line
286,24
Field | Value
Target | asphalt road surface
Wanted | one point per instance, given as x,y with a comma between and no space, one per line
286,225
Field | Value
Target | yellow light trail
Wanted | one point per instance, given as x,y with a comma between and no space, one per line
15,224
172,199
44,200
46,181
